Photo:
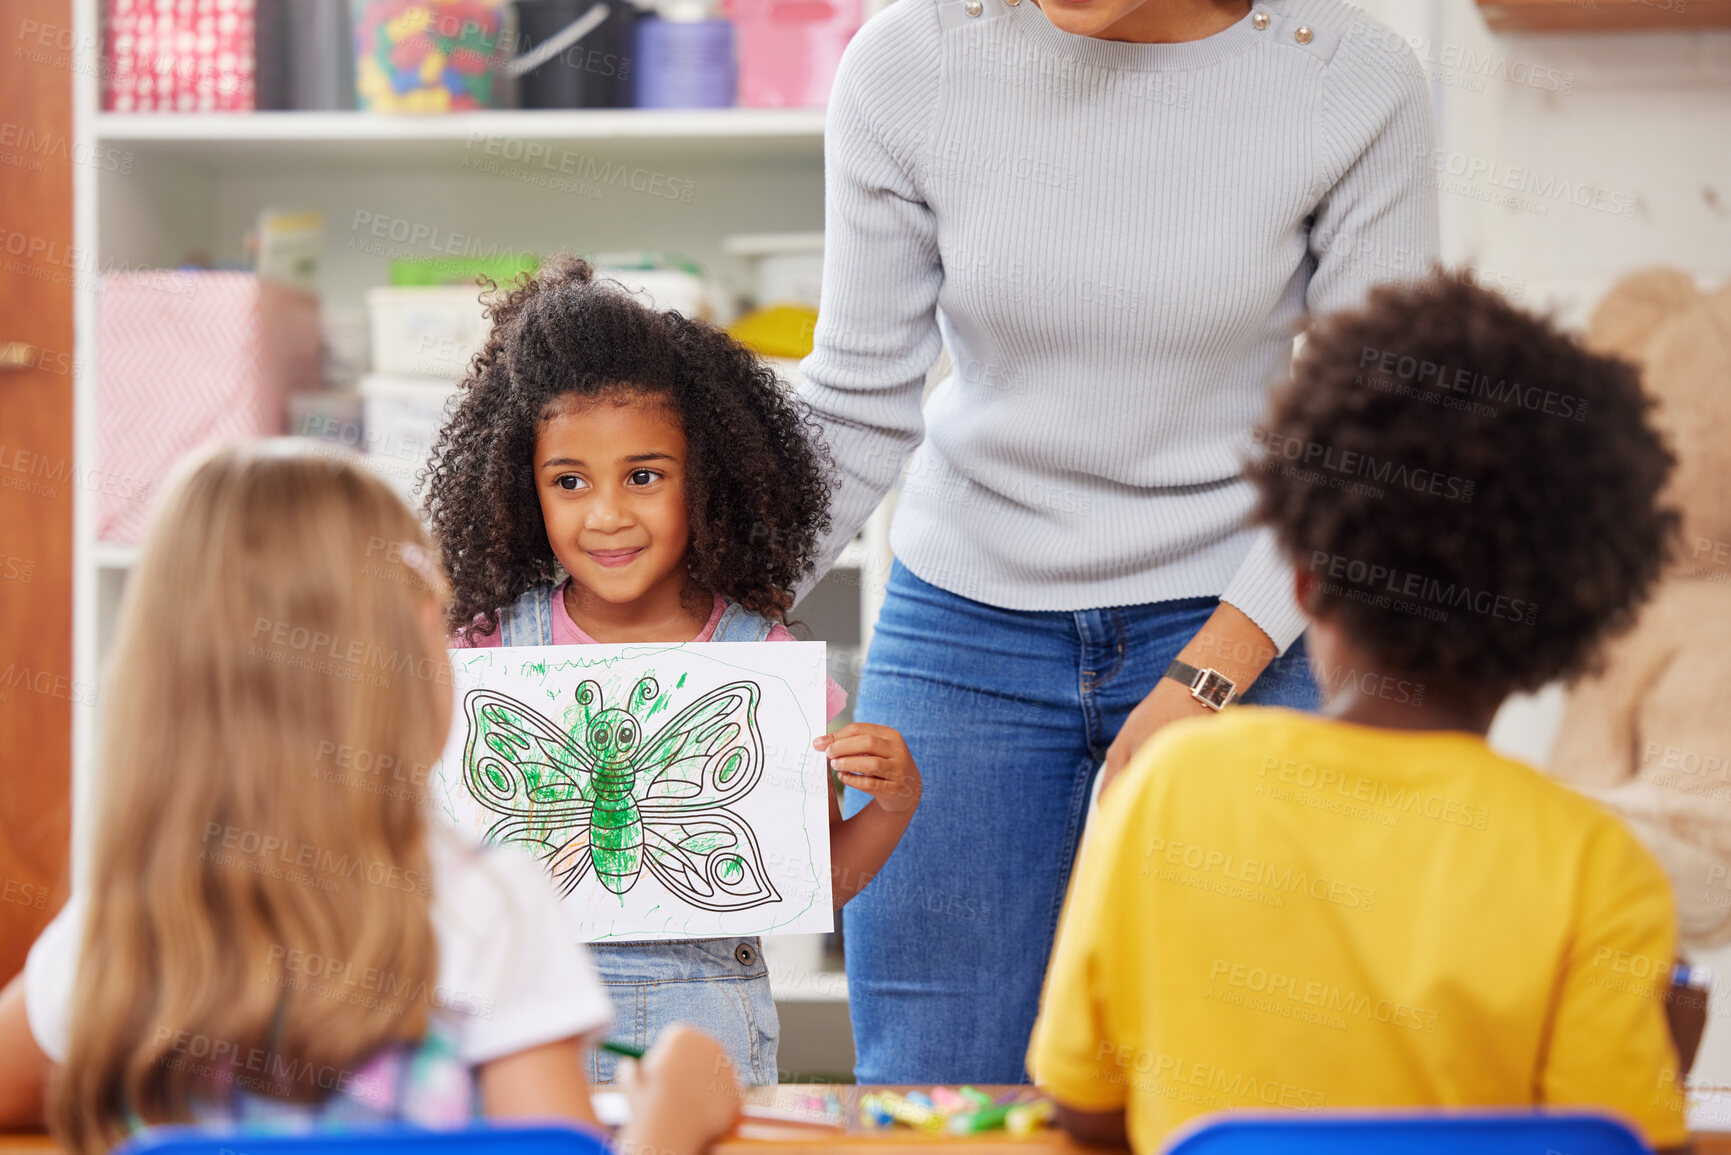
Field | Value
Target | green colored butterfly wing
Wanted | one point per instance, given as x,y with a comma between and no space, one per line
709,755
710,860
519,765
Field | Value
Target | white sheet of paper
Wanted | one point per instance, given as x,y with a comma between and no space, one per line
652,828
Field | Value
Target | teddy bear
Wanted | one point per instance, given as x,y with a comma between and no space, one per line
1649,734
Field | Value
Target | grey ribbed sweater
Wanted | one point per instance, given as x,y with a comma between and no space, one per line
1117,242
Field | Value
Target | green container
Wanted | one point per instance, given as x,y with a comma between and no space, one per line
422,271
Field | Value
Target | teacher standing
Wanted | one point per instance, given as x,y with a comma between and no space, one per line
1115,213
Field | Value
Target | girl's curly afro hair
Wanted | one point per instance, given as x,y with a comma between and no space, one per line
1476,494
758,479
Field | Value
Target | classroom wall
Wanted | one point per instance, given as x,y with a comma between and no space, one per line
1636,125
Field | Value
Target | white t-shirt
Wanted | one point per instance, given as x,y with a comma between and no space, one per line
510,975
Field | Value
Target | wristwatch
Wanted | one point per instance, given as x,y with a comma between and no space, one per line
1208,686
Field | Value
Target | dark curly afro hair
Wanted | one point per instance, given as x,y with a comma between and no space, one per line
758,479
1476,494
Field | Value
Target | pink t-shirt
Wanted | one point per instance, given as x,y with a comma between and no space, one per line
566,633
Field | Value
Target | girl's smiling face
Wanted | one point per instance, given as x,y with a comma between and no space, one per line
610,474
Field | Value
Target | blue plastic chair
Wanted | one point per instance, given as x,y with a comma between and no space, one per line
389,1140
1408,1133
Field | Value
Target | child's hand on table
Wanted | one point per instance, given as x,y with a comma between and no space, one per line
683,1094
874,759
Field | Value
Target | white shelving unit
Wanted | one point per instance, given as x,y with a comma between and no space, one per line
472,184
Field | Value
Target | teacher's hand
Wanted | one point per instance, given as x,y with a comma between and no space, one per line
1232,644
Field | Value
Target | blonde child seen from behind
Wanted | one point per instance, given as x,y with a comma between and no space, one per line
263,940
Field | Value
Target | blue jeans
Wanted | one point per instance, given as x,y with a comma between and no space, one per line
1008,714
719,985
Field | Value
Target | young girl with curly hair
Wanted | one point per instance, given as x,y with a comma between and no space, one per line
616,474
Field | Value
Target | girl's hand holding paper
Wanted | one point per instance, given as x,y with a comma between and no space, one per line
874,759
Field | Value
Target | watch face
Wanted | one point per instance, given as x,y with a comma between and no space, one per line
1214,689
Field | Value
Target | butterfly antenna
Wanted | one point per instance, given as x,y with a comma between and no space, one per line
588,692
647,691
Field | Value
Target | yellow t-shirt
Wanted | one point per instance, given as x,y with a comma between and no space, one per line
1278,910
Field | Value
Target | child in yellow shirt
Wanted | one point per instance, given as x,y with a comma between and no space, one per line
1370,908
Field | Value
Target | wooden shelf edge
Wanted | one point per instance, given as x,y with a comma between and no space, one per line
1605,16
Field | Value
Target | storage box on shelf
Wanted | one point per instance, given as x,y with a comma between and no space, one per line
306,54
196,55
592,72
787,268
425,331
673,290
333,416
185,358
786,271
402,417
789,52
429,56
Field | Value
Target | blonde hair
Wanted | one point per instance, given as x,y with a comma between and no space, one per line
273,668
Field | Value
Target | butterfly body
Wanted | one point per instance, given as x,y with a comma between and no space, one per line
603,796
616,830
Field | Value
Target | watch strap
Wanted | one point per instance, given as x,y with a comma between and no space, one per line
1208,686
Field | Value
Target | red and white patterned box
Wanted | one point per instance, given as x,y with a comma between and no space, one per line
184,359
180,56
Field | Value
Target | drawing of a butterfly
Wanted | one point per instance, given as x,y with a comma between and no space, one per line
606,797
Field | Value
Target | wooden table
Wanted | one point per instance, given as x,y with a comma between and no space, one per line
757,1137
762,1138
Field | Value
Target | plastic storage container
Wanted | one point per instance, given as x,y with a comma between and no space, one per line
669,290
595,72
684,63
190,56
426,332
306,58
426,55
402,417
787,268
789,49
331,415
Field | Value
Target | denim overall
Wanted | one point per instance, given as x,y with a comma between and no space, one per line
719,985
